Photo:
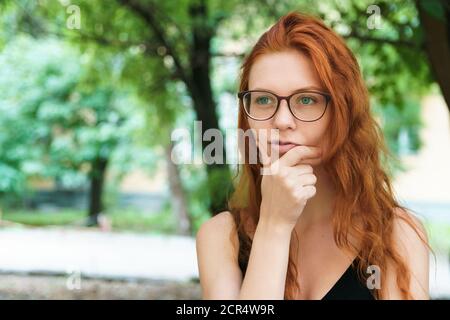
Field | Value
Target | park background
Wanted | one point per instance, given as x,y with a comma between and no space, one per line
92,205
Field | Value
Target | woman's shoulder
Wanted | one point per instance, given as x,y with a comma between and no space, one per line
219,231
409,226
221,221
411,242
219,272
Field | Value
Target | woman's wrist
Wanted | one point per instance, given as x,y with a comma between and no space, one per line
268,225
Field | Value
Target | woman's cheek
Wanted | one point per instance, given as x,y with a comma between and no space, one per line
313,134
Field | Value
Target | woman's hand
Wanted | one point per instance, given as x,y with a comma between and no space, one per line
287,184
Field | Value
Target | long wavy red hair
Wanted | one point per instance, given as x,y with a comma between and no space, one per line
355,159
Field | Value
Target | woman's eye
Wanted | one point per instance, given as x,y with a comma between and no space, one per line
263,100
306,100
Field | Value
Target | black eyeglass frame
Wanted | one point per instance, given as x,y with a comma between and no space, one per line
241,95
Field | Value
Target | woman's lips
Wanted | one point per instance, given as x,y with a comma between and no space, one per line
283,147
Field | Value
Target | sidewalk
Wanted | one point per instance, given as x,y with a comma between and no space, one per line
92,253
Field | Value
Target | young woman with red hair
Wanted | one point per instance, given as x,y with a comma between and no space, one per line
325,224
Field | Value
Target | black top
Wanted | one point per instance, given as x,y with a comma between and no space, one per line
349,287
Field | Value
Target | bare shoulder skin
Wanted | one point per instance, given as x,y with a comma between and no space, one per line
416,256
220,276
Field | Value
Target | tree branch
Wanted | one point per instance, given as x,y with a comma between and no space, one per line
149,18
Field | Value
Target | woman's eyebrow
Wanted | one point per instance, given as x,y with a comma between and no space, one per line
315,88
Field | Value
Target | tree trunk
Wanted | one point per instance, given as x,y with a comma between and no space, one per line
197,80
96,191
437,45
178,201
219,176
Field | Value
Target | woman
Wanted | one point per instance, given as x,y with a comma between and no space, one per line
325,224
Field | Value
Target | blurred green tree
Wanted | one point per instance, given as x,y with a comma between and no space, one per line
57,125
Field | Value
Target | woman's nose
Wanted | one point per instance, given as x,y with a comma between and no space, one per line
283,118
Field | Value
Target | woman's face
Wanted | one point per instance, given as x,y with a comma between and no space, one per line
283,73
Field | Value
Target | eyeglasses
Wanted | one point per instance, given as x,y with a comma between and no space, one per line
305,105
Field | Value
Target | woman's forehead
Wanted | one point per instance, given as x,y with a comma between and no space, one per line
283,72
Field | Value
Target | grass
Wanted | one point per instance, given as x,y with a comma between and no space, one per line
43,218
122,219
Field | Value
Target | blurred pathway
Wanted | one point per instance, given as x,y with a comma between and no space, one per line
93,253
